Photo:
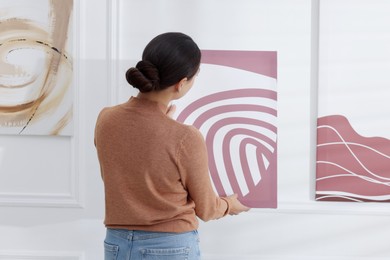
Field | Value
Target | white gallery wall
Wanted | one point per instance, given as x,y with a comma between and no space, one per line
51,193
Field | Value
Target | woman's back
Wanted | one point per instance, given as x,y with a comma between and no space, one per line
148,161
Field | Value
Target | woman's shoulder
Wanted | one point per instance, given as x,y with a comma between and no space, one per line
110,109
106,113
189,129
190,132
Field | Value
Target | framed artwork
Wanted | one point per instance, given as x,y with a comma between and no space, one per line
36,67
234,104
353,132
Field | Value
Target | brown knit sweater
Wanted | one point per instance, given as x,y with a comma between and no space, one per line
154,170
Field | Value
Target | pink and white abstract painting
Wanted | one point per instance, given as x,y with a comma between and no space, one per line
234,104
353,130
351,167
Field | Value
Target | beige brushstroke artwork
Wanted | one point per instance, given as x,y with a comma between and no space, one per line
36,68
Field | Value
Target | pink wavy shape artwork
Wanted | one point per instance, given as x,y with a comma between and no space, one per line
240,130
351,167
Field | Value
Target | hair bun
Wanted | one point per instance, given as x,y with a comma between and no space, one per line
144,76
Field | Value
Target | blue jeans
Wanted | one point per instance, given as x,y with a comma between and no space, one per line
121,244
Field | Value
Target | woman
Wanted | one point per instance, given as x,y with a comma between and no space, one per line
154,168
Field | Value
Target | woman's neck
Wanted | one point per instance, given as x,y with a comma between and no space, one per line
160,97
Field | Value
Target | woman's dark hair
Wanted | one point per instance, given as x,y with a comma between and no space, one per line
168,58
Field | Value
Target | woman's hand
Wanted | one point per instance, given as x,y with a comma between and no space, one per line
236,207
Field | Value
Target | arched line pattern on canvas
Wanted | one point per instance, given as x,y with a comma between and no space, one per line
247,168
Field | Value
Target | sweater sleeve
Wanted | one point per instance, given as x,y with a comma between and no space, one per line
193,166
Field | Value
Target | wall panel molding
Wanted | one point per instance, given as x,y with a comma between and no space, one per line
335,208
332,208
73,198
112,50
40,200
42,255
